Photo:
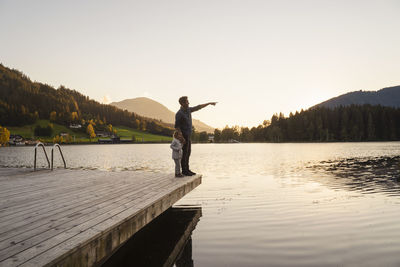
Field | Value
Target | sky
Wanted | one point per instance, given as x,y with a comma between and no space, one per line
255,58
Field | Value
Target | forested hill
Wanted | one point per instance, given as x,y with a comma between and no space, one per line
23,102
349,123
389,97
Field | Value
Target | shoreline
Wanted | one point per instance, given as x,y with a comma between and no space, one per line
167,142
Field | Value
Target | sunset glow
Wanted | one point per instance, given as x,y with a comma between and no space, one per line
255,58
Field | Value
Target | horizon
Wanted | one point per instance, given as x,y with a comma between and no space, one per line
255,58
277,113
220,128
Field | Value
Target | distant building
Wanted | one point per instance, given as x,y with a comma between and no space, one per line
31,142
75,126
16,139
113,140
102,134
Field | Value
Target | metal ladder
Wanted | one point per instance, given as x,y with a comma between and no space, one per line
47,158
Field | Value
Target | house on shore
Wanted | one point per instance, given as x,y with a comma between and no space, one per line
114,140
16,140
75,126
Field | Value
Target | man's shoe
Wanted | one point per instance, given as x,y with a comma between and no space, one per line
192,173
179,175
187,173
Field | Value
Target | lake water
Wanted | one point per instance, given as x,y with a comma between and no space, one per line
270,204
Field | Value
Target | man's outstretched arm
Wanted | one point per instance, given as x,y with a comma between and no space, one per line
198,107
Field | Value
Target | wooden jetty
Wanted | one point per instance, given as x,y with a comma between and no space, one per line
78,217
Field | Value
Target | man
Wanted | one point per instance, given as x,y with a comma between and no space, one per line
183,123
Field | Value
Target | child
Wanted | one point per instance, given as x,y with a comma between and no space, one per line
176,145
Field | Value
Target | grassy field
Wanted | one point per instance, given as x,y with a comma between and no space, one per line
80,137
27,131
127,133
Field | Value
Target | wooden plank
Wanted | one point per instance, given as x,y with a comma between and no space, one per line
90,204
75,204
37,223
59,199
21,179
6,173
84,230
104,181
50,182
79,224
92,215
43,203
89,252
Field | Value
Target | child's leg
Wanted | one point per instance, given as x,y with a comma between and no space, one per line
177,166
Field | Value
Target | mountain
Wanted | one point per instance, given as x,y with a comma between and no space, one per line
389,97
23,102
152,109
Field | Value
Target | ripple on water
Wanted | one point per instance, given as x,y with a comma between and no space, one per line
366,175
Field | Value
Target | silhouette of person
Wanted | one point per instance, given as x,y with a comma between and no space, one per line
183,123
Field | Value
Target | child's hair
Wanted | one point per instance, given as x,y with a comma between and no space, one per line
176,134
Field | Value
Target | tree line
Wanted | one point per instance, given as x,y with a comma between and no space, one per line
343,123
24,102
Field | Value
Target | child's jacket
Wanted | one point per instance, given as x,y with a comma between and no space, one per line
176,146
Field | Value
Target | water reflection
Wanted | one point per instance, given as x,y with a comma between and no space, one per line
166,241
322,204
365,175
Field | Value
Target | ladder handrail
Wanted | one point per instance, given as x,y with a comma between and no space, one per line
52,156
44,150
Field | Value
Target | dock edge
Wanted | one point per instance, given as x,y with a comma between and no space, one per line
96,249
